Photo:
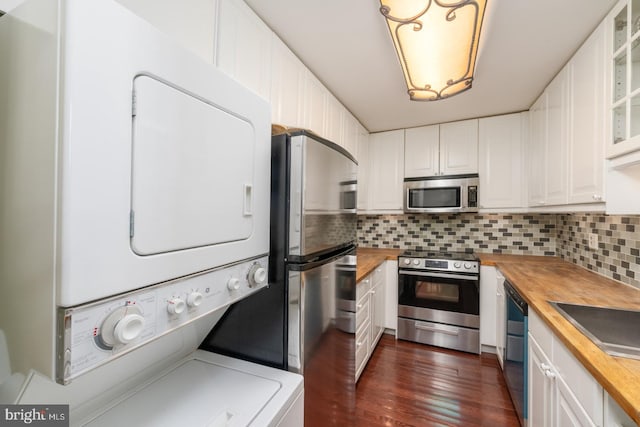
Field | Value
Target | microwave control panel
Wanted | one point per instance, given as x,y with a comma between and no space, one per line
92,334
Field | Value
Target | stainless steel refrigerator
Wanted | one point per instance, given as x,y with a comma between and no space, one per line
305,320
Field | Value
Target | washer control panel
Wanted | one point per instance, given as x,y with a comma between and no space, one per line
92,334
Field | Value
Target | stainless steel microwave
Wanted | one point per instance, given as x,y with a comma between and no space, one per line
441,194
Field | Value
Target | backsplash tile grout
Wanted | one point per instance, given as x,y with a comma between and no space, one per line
564,235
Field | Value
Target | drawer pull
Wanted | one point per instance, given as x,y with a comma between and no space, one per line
433,329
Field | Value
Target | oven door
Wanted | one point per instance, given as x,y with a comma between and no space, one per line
439,297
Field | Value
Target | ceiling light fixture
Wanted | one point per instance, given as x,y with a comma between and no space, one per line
437,43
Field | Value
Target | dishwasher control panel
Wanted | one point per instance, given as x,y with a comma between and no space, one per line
92,334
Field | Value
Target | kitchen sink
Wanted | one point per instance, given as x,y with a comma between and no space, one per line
616,331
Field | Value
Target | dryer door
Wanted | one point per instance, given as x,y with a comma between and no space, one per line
192,171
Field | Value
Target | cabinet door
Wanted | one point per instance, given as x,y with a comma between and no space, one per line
536,153
501,318
386,158
557,141
315,98
287,86
540,388
333,124
244,46
459,147
363,169
391,298
501,162
568,411
377,312
587,107
349,133
422,151
487,305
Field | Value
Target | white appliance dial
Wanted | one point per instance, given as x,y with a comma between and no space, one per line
467,265
233,284
194,299
257,275
120,327
176,305
457,264
416,262
407,261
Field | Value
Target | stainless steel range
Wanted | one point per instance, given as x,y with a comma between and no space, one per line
439,299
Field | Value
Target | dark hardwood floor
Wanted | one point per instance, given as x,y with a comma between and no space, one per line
407,384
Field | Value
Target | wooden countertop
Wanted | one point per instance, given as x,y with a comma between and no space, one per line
543,279
370,258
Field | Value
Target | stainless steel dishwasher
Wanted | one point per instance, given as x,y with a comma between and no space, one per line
516,352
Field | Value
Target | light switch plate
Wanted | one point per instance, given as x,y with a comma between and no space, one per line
593,241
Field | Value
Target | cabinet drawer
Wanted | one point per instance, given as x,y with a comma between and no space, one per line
363,287
377,276
541,333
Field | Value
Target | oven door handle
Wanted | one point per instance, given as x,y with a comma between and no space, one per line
440,275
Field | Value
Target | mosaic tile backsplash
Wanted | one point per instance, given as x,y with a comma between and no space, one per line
618,253
497,233
564,235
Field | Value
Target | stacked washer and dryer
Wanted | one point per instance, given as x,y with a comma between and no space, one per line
135,194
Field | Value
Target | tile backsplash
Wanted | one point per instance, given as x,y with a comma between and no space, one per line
497,233
564,235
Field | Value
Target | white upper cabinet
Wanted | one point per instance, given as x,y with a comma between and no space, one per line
501,160
363,169
422,151
557,143
459,147
536,151
624,69
287,85
446,149
586,124
315,102
386,172
244,46
350,130
333,124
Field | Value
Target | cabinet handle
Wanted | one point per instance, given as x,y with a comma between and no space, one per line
597,197
541,202
432,329
359,306
373,292
359,344
545,367
549,374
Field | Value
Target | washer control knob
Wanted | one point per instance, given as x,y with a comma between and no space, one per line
233,284
407,261
257,275
176,305
128,328
467,265
194,299
457,264
416,262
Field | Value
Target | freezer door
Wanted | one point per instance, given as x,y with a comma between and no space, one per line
322,211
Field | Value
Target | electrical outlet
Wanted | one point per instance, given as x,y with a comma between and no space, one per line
593,241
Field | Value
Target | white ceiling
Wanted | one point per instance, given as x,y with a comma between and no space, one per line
346,44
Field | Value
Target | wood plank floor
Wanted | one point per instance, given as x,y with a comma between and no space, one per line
408,384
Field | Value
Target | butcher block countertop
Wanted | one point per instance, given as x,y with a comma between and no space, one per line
370,258
543,279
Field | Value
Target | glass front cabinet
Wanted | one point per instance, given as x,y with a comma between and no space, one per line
624,42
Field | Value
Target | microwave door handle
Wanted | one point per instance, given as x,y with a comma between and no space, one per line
439,275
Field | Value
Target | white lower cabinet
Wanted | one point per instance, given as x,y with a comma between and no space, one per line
488,306
371,301
501,318
561,393
614,415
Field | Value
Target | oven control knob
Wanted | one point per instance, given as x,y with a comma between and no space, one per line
407,261
257,275
176,305
194,299
467,265
416,262
233,284
457,264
